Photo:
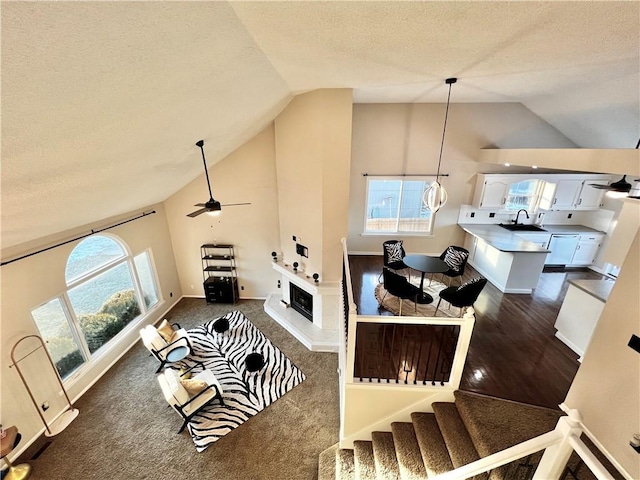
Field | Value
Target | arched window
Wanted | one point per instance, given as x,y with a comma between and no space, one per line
107,289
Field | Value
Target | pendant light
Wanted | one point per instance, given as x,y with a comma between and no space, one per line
436,196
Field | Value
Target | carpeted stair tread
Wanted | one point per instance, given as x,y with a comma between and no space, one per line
455,435
435,455
408,453
496,424
384,453
364,461
327,463
345,468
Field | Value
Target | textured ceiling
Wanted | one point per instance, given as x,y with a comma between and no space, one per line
102,102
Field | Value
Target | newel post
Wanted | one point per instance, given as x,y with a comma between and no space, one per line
462,349
555,457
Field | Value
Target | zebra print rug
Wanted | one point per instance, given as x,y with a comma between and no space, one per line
245,393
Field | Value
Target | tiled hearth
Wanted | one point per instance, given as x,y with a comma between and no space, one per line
320,334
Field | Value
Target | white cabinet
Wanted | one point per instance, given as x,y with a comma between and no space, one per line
587,249
572,194
566,194
590,198
545,191
491,191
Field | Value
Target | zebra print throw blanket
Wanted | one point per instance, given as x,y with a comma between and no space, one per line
245,393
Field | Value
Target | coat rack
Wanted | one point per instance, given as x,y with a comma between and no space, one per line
67,416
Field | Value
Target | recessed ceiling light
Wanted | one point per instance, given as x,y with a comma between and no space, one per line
507,164
534,166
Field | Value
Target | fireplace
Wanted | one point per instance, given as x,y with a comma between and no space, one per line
306,308
301,301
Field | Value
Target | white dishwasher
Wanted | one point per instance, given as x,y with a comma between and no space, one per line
562,249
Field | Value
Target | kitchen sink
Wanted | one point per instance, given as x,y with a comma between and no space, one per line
522,228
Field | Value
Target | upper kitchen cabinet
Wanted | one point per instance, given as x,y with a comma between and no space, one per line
491,191
509,193
572,194
506,192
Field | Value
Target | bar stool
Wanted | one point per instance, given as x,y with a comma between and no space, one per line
8,443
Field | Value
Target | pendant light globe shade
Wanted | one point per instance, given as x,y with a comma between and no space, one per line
435,196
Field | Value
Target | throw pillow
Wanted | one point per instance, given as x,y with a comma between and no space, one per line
193,386
455,258
394,251
166,331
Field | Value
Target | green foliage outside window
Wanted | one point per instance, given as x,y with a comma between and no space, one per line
113,316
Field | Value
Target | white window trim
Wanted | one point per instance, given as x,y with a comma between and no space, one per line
92,358
402,178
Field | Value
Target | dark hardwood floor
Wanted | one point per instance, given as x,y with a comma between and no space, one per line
514,353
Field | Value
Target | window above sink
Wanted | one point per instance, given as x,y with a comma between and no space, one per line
523,194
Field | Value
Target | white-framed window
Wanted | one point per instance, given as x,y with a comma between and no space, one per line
523,194
107,289
394,205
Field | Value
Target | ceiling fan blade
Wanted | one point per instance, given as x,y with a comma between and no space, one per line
197,212
200,205
233,204
600,187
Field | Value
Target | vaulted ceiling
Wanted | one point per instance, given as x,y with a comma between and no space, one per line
102,102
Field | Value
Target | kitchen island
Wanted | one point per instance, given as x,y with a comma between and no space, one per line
511,263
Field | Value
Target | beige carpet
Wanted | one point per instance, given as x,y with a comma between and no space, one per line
392,303
126,430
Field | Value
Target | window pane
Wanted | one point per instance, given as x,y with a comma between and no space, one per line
90,254
55,331
522,195
147,279
383,204
414,216
105,305
396,206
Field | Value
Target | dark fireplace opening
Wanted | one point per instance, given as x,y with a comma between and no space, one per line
301,301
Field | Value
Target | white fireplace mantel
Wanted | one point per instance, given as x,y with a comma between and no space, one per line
321,334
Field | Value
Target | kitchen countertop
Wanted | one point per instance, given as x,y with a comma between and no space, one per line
508,241
600,289
567,229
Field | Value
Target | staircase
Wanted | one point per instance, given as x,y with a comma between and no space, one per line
454,435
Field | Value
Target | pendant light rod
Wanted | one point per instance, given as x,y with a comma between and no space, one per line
448,81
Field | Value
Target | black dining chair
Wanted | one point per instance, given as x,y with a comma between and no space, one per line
463,296
392,255
456,259
399,286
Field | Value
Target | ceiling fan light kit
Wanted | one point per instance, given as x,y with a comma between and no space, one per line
211,206
436,196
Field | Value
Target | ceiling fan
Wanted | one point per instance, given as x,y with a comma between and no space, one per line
620,186
211,206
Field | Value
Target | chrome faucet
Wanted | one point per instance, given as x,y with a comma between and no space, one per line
518,214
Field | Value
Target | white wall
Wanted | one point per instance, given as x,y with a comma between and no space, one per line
33,281
247,175
606,388
405,139
313,151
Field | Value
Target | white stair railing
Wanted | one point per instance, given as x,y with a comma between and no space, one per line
558,445
403,378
